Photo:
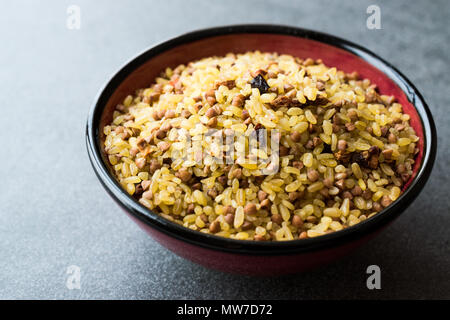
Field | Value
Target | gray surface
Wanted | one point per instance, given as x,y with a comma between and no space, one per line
54,213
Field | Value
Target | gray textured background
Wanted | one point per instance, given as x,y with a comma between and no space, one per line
54,213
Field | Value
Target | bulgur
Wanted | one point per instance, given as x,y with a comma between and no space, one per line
345,151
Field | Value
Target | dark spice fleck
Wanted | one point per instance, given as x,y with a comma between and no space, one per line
326,148
320,101
362,158
374,150
342,156
260,83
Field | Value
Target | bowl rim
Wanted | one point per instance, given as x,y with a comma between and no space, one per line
247,247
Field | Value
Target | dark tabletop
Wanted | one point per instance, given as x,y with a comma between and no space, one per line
54,212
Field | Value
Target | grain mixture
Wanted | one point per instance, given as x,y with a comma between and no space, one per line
344,151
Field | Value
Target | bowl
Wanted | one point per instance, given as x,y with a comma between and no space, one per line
255,257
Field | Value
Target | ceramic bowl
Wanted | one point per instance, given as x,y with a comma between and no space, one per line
254,257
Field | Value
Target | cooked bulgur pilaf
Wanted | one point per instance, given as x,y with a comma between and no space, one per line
345,151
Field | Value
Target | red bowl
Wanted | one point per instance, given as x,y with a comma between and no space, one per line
253,257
